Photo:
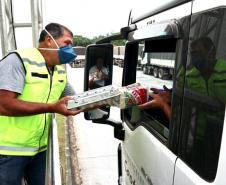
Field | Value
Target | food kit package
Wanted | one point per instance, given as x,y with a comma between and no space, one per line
121,97
132,95
96,97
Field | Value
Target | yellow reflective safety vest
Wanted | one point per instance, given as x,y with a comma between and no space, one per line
214,87
27,135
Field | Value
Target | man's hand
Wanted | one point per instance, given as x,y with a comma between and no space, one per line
104,76
61,107
160,99
165,93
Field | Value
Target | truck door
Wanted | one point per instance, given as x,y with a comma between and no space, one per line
149,149
201,144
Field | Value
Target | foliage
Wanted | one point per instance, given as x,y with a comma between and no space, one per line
95,39
81,41
84,41
119,42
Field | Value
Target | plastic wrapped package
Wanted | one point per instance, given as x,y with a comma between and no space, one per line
132,95
96,97
121,97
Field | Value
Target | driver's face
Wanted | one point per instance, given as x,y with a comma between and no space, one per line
100,63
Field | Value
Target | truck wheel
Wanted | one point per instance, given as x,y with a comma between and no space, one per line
155,72
145,70
161,73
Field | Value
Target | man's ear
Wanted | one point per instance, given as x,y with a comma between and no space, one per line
48,40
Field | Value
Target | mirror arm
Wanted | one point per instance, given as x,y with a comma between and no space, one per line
119,132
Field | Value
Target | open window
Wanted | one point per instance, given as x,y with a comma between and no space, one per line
155,62
151,60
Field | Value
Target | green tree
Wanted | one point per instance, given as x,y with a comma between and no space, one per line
96,38
119,42
115,42
84,41
81,41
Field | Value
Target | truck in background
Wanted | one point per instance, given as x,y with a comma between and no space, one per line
118,55
80,59
160,65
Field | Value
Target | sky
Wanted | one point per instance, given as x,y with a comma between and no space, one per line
88,18
93,17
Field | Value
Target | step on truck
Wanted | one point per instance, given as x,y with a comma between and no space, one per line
187,146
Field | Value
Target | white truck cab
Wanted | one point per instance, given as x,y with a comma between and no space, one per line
189,147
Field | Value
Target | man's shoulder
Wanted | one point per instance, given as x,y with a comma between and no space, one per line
220,65
11,58
12,76
105,69
92,69
221,61
192,72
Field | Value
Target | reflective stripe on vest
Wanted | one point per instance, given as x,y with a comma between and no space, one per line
22,149
27,135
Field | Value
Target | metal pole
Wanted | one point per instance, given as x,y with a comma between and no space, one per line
40,16
56,157
4,45
6,27
34,21
7,24
53,175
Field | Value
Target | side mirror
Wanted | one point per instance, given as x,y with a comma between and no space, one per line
98,73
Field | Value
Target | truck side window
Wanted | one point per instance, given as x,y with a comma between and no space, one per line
204,94
155,68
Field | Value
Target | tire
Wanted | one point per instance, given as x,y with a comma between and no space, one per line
145,70
161,73
155,72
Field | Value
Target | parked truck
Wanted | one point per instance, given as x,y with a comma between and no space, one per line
160,65
80,59
118,55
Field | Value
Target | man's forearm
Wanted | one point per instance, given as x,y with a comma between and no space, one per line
10,105
167,109
16,107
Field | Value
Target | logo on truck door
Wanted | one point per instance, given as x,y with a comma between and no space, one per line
133,175
146,176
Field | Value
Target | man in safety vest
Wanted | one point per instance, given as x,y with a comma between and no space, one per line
205,98
207,76
32,82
